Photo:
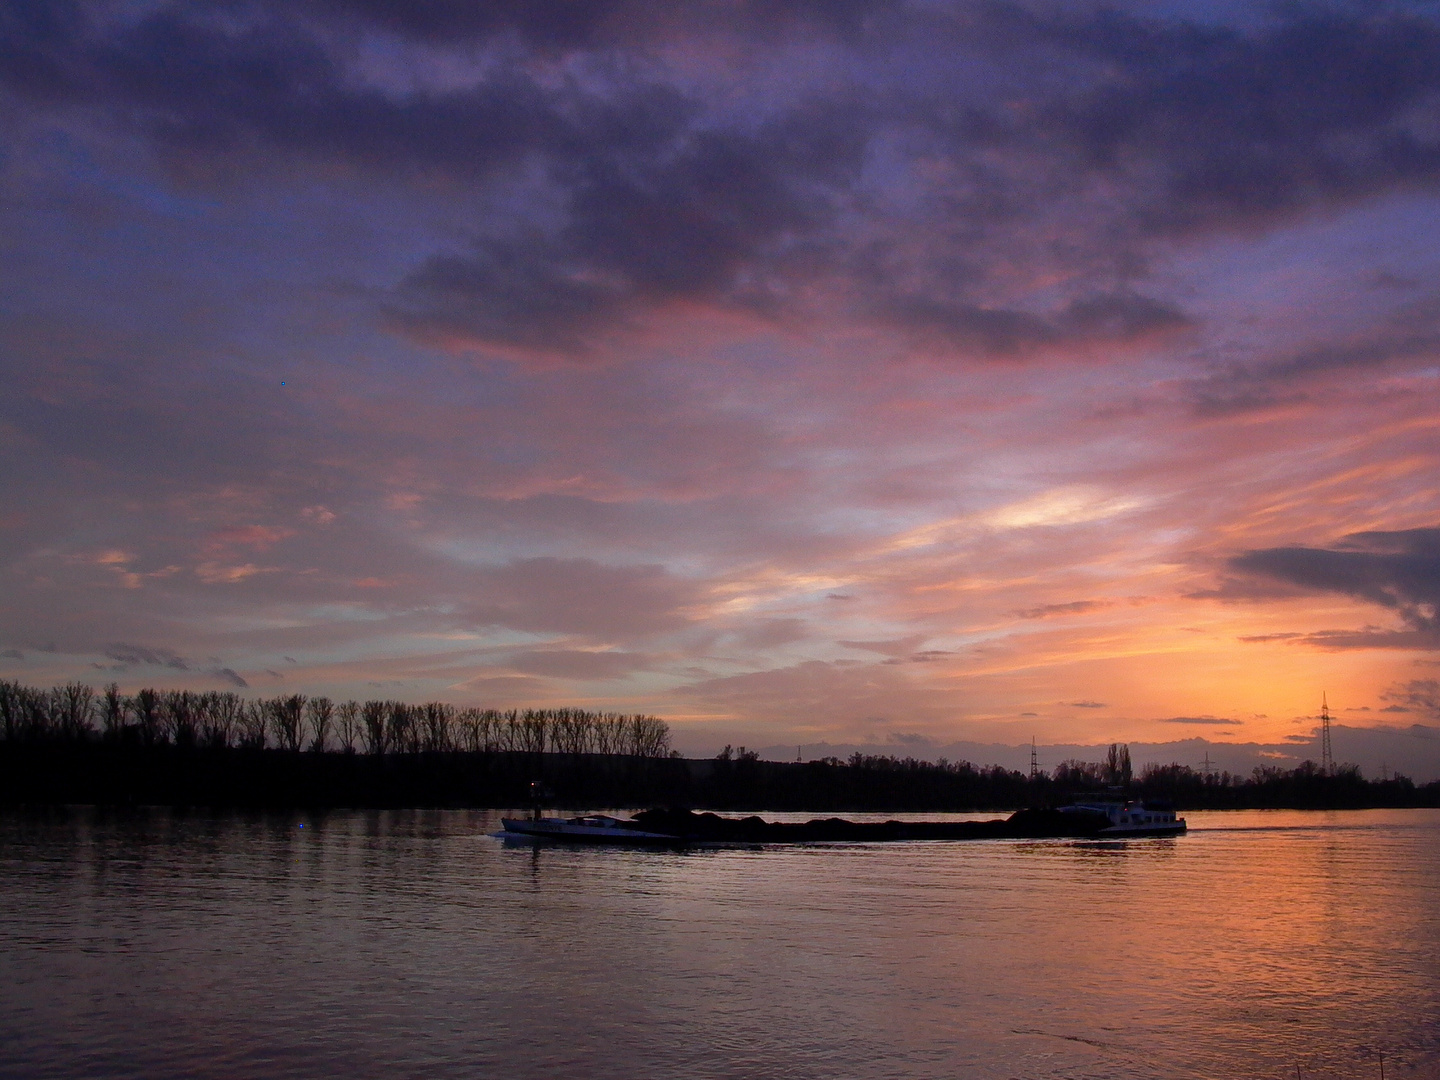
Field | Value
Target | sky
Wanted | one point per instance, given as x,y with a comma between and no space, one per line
856,374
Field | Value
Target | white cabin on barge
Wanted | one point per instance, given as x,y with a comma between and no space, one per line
1130,818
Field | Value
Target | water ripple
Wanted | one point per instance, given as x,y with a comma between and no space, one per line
412,944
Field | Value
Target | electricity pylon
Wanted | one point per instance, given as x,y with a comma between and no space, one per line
1327,756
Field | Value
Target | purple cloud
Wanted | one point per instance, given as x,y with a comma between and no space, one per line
776,366
1397,570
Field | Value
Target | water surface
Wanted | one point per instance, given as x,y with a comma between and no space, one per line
158,944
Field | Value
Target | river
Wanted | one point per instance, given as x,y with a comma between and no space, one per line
160,944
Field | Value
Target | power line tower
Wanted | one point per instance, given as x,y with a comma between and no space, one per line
1209,769
1327,756
1034,763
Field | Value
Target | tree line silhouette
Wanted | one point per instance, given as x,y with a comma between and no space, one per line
737,779
221,720
71,744
175,747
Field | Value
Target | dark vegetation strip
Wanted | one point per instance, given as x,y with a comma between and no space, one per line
74,713
178,748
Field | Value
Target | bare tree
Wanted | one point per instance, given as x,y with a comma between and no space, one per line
568,730
402,733
534,731
287,715
146,706
12,713
39,714
349,725
468,723
294,722
651,736
507,731
203,704
374,715
609,733
253,720
207,718
73,710
439,725
227,710
319,714
494,731
177,710
112,711
636,731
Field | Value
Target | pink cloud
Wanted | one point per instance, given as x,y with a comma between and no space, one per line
807,381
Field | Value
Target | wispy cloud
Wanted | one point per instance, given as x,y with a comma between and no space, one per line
1073,607
841,370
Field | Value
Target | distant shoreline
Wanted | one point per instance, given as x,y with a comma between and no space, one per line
71,745
117,774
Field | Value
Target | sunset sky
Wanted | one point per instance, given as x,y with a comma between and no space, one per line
844,373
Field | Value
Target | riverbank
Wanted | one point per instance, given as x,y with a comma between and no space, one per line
103,773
